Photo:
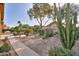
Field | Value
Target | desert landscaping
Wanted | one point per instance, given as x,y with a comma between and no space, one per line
59,37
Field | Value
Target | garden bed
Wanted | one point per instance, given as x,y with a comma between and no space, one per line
6,49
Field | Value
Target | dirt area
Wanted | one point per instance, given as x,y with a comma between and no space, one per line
1,43
42,46
76,48
39,45
12,52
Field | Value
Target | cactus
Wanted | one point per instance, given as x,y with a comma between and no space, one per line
67,31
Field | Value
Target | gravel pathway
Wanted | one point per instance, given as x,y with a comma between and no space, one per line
42,46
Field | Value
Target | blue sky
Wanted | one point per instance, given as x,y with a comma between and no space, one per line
14,12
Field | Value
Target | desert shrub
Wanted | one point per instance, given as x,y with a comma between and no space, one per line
29,30
46,33
5,48
60,52
49,32
41,32
36,29
15,33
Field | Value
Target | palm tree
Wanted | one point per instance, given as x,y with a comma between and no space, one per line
19,27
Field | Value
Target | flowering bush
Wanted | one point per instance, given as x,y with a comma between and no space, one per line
29,30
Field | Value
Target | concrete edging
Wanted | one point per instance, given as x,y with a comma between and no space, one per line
21,49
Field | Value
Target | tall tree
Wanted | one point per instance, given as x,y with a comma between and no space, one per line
39,11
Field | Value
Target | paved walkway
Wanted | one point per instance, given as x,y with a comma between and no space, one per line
21,49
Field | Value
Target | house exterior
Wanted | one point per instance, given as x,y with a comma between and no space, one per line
1,17
52,26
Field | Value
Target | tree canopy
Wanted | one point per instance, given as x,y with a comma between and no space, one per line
39,11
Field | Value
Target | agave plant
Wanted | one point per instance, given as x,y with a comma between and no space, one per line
67,31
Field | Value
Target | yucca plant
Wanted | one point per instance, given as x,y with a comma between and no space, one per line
66,31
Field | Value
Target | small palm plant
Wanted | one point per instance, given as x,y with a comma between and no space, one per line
66,31
20,27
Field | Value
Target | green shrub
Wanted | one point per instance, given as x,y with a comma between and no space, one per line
36,29
41,32
60,52
5,48
29,30
46,33
49,32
